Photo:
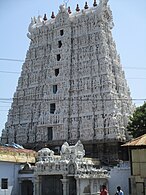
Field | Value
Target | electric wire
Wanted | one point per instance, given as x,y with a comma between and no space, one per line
18,60
80,99
11,60
9,72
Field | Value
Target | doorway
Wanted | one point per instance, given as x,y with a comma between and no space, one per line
72,186
140,188
26,187
52,185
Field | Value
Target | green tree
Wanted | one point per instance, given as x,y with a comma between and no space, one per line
137,123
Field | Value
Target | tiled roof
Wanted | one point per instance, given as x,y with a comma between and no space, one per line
11,154
11,149
139,141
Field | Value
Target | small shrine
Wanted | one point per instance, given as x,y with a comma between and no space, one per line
69,173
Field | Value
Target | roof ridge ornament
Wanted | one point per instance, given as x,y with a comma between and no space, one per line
77,8
69,10
95,3
86,5
45,17
53,15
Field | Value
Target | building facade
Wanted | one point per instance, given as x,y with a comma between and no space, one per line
25,172
137,152
72,85
11,161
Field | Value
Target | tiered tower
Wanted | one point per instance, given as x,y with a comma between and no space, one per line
72,86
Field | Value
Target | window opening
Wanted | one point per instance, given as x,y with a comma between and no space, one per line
4,183
54,89
61,32
59,44
50,133
56,72
57,150
58,57
52,108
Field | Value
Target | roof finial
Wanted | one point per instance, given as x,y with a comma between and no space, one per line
94,4
69,10
52,16
45,17
77,8
86,5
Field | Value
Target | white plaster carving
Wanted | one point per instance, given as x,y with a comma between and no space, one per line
90,81
71,161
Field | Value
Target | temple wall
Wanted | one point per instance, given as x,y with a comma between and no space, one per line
119,176
9,171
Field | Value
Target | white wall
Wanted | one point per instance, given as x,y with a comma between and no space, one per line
119,176
9,170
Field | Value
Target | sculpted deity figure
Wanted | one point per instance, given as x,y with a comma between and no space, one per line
62,8
41,119
64,148
80,150
72,152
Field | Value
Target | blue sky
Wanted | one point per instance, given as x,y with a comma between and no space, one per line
129,34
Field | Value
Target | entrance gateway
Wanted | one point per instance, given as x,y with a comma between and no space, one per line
69,173
52,185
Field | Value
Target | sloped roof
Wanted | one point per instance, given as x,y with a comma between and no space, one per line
10,154
11,149
139,141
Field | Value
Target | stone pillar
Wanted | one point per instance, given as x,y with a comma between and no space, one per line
20,182
78,185
40,185
37,190
65,186
33,182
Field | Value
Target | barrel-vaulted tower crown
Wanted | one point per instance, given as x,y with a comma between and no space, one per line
102,12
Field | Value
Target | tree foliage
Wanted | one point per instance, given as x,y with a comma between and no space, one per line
137,123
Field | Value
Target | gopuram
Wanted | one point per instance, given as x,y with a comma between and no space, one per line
72,86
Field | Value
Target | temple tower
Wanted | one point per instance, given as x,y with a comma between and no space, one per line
72,86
